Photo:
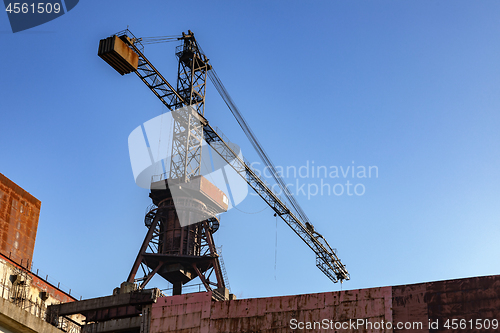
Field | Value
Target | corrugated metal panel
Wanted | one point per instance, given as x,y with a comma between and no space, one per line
473,298
214,193
272,314
118,55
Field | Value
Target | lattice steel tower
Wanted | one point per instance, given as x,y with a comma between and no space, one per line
179,244
175,247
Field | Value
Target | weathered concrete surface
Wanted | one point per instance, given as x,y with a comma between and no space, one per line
386,309
115,325
463,299
197,313
36,285
18,320
130,299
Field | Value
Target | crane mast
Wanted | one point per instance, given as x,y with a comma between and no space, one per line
190,129
179,244
191,86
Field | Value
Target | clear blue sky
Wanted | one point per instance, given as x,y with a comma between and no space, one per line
412,87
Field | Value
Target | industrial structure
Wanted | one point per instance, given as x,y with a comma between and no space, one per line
25,294
179,245
423,307
181,253
19,213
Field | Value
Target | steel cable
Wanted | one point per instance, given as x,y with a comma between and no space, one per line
255,143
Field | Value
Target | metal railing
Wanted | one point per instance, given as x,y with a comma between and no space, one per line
19,296
189,289
27,265
223,268
45,277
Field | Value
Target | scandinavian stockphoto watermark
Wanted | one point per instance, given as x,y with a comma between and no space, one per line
154,152
174,140
354,324
453,324
311,180
28,14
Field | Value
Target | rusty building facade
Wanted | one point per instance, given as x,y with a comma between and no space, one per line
24,295
19,212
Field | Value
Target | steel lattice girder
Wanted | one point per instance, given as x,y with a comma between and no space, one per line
327,260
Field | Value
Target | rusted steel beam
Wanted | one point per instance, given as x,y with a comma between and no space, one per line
143,249
147,296
151,274
113,313
202,277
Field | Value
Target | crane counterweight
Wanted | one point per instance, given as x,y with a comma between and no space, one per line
118,55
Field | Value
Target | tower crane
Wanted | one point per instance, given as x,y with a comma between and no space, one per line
179,252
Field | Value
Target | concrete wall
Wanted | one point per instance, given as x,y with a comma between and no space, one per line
19,212
23,305
32,287
14,319
364,310
24,296
468,300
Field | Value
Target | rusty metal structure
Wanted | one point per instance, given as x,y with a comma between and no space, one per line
461,305
177,251
19,212
180,253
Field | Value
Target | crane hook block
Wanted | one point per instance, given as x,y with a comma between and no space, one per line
118,55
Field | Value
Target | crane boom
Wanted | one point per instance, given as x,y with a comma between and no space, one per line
326,258
154,80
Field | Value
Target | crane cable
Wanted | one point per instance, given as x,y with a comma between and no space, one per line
159,39
254,141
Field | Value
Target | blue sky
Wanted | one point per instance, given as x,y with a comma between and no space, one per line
411,87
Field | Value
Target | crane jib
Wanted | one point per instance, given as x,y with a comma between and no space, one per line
327,260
